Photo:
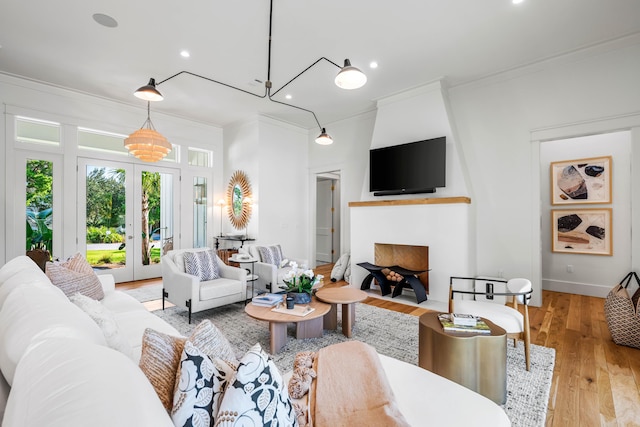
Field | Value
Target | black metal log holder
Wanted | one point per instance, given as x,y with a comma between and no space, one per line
410,279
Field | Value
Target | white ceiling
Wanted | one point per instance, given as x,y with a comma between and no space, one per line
414,42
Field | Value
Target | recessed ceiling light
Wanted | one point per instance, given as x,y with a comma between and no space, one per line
185,53
105,20
373,64
516,1
288,96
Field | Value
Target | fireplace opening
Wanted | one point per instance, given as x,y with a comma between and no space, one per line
399,267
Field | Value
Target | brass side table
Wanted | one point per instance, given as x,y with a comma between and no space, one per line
476,361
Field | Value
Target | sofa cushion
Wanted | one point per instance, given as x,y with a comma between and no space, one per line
33,277
105,320
257,392
30,312
120,302
69,382
75,275
271,254
133,324
203,264
159,361
219,288
16,265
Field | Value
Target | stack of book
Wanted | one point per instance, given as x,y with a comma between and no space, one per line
463,323
267,300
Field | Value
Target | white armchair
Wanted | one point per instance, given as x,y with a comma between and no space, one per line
270,275
187,291
509,318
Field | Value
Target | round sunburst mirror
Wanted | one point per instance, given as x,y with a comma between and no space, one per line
239,200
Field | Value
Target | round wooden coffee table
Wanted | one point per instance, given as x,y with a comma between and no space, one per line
345,296
308,326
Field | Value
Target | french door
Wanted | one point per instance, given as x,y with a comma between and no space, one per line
127,216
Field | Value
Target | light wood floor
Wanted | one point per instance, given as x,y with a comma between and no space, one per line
595,382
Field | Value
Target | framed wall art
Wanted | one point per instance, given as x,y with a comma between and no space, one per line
581,181
582,231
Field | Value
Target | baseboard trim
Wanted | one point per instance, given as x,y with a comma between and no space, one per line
577,288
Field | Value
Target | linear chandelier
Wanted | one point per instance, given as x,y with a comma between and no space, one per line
349,77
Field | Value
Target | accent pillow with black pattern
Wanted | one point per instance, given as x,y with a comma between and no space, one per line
203,264
256,395
194,393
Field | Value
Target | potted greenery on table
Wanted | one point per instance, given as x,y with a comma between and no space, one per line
300,283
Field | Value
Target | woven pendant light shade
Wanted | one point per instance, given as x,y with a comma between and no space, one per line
147,145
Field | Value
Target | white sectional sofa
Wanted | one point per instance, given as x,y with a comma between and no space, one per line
62,373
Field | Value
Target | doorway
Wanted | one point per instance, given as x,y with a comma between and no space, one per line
327,217
127,215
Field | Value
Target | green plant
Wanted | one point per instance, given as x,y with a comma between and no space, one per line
39,228
300,279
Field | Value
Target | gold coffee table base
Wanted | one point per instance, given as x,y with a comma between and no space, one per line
476,361
309,326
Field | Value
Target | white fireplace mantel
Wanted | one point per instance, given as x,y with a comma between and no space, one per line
443,224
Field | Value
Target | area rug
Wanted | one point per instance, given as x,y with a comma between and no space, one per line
391,333
146,293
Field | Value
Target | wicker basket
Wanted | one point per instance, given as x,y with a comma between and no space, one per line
623,313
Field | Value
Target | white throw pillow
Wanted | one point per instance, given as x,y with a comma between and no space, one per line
339,268
347,272
105,319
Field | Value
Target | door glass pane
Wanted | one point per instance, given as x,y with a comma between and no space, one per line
39,197
157,216
199,212
106,226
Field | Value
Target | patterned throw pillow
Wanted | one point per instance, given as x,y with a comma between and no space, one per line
193,397
257,394
159,361
202,264
271,254
75,276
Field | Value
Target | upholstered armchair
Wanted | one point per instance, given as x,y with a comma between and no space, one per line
272,265
190,291
509,318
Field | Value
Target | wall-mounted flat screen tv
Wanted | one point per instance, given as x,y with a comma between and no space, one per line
416,167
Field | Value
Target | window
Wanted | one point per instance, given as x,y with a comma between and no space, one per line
39,209
37,131
198,157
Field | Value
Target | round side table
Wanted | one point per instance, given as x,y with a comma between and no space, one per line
476,361
345,296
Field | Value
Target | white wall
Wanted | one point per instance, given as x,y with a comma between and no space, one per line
500,121
592,274
274,156
349,154
416,115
